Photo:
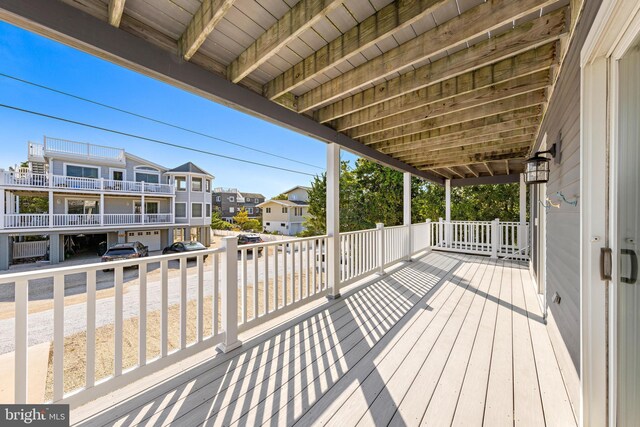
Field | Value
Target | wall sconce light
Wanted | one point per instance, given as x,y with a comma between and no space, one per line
537,168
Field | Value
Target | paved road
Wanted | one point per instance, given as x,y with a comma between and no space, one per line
41,323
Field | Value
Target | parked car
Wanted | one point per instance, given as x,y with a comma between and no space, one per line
250,239
181,247
121,251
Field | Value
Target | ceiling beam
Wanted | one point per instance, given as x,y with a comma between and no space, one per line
295,21
514,153
484,126
387,22
68,25
486,146
533,61
473,23
485,95
520,40
497,107
459,142
208,15
116,9
485,180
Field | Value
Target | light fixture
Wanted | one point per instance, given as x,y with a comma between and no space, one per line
536,169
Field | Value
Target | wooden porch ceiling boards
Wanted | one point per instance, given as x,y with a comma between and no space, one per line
456,87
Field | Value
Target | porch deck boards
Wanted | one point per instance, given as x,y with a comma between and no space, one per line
449,339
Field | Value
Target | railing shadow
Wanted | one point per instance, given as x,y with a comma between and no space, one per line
294,374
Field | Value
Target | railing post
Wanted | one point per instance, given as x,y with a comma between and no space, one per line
229,294
406,213
380,248
3,208
101,207
333,257
495,238
51,204
448,233
143,211
428,248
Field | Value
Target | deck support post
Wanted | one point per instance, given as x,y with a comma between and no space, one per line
447,211
406,214
333,220
3,207
380,248
101,207
429,238
229,294
522,229
51,208
495,238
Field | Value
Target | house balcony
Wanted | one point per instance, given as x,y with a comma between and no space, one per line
418,336
78,151
75,221
29,180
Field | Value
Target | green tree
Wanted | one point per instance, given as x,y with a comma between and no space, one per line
281,196
217,223
252,224
241,218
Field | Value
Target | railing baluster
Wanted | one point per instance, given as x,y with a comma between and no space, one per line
164,307
292,288
200,310
117,359
276,276
183,303
21,381
285,276
143,270
256,255
243,294
58,337
91,329
216,290
265,282
308,267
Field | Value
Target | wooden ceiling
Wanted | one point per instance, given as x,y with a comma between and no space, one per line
456,87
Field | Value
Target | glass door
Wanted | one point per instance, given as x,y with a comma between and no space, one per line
627,227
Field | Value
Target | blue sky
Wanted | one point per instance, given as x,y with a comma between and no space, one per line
40,60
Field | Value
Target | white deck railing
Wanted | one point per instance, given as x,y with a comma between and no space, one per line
25,221
61,182
33,249
83,149
495,238
243,286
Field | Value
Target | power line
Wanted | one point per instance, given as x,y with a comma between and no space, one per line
151,119
157,141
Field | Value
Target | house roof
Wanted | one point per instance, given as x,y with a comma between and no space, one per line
297,203
252,195
189,168
295,188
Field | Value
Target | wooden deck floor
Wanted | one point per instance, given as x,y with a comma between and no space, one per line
449,339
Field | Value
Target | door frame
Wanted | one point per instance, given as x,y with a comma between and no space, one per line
612,33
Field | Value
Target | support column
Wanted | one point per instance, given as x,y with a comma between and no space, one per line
522,229
51,205
101,207
229,294
3,208
447,212
333,220
143,211
5,255
407,212
56,248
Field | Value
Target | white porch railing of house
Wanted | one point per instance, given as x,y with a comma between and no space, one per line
33,249
61,182
496,238
248,285
25,221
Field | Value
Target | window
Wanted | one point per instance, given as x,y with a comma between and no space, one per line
181,183
82,171
208,211
149,208
268,223
80,207
232,209
152,178
267,210
284,210
208,189
196,184
232,199
250,210
181,210
248,199
196,210
117,174
217,198
282,224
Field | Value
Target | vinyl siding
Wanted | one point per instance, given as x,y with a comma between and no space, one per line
563,224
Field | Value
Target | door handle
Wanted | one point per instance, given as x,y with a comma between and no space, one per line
633,278
605,263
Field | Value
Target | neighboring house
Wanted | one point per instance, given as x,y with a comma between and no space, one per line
91,194
229,201
286,216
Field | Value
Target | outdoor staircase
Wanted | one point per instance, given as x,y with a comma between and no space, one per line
39,167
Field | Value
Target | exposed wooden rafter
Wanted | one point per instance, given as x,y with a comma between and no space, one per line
464,28
116,9
208,15
471,171
497,107
485,146
387,22
295,21
519,40
486,165
501,155
455,172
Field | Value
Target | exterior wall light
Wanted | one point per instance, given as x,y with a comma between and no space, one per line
536,169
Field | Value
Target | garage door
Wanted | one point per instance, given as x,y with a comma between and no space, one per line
149,238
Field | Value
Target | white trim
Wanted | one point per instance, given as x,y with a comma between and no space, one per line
65,164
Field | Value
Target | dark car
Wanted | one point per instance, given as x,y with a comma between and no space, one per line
250,239
180,247
121,251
